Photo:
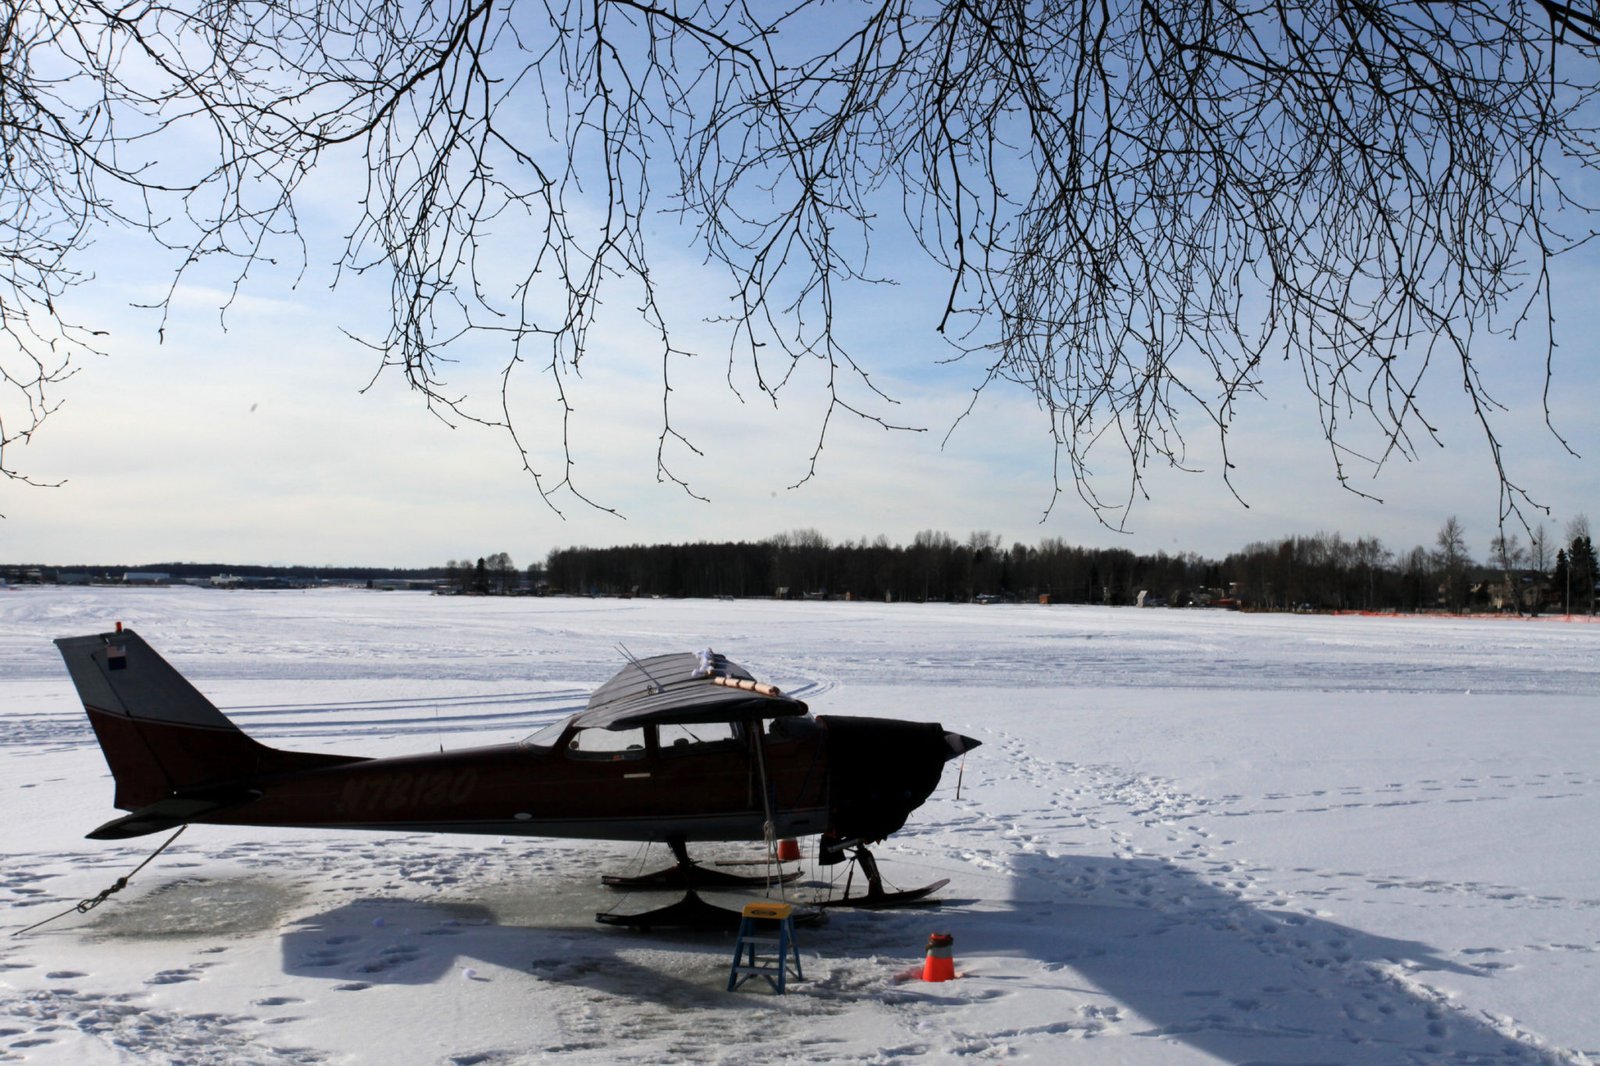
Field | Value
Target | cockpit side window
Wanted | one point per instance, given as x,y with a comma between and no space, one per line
606,745
699,739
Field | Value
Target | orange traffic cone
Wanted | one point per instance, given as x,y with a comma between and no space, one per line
788,851
940,965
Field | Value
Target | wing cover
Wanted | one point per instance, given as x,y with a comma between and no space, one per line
684,688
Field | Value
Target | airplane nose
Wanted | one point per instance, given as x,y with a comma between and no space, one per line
880,770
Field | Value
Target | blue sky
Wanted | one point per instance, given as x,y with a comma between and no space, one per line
249,438
256,444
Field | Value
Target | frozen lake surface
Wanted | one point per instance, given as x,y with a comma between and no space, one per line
1189,837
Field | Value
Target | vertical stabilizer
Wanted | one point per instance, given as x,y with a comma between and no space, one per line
160,736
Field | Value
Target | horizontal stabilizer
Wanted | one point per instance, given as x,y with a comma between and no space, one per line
169,813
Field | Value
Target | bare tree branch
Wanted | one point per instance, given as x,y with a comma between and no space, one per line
1142,209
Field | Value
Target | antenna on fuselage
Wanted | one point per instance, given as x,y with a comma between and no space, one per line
639,666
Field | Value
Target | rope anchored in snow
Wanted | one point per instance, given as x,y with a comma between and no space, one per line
84,906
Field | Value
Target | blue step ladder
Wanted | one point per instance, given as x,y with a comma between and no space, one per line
752,955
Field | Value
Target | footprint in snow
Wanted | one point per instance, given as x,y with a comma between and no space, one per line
173,977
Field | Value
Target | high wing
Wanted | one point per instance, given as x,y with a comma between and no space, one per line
684,688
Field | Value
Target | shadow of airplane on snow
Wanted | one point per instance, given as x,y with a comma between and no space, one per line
417,942
1240,982
1151,947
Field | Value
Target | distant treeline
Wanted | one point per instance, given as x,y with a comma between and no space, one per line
179,572
1323,571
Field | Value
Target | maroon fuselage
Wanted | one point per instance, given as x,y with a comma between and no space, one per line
674,748
518,789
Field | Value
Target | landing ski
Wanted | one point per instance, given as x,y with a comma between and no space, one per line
880,899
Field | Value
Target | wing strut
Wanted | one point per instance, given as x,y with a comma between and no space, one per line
768,828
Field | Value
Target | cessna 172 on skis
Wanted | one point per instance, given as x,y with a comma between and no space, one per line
675,748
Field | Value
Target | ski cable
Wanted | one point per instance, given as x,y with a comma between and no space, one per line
84,906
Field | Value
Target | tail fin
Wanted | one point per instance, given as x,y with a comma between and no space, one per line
160,736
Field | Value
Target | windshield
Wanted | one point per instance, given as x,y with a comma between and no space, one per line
546,737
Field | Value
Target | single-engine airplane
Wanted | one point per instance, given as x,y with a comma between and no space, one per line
676,748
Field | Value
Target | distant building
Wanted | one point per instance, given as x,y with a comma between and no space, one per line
404,584
146,577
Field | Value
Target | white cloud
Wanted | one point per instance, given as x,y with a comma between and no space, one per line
256,443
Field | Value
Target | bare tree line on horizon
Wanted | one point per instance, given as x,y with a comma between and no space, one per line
1322,571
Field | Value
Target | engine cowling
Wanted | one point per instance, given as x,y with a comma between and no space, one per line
882,769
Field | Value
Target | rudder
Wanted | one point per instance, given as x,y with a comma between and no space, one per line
159,735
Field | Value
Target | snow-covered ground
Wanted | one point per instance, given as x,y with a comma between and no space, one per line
1188,837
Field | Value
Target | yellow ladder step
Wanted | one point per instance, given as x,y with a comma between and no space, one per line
748,960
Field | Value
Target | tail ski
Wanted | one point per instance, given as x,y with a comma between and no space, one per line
173,754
